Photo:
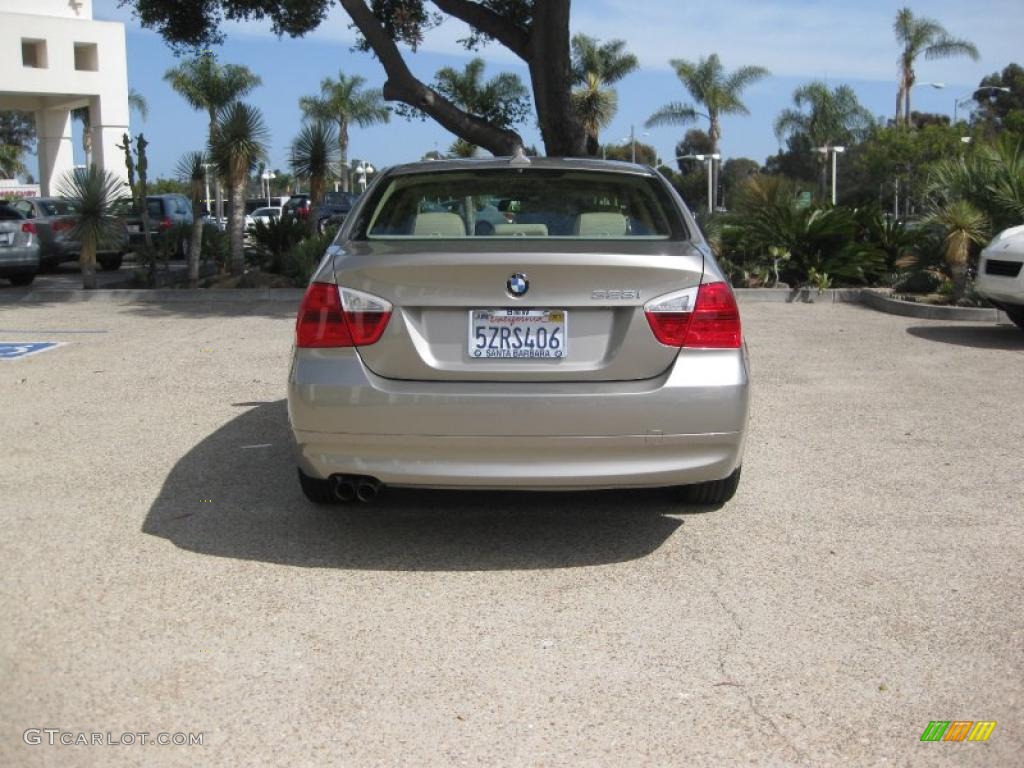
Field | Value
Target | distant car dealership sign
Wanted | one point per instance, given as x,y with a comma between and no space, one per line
12,188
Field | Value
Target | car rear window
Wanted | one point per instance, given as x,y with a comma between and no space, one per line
57,208
530,203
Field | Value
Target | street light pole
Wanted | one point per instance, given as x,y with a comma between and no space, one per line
970,96
710,161
835,151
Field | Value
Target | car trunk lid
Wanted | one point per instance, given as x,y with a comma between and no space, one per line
597,291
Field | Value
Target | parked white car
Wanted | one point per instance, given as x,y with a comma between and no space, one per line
1001,273
264,214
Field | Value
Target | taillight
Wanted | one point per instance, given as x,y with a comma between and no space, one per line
705,317
63,225
165,224
29,227
330,316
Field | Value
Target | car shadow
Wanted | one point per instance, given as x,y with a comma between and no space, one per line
236,494
1007,337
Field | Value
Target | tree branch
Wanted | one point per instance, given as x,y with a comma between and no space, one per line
403,86
488,22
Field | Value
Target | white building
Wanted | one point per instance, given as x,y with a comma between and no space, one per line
54,58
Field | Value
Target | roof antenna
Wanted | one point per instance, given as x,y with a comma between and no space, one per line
519,158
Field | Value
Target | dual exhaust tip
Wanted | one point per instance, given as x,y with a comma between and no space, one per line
349,488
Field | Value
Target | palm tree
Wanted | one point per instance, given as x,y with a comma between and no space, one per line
343,102
919,35
93,192
961,226
136,101
10,161
595,106
238,144
717,91
608,60
462,148
595,65
191,170
314,156
208,85
826,116
502,100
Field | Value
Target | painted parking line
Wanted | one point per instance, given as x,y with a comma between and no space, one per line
12,350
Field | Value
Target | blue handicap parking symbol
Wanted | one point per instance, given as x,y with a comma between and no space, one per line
11,350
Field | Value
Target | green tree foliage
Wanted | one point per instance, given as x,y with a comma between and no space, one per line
239,143
962,228
869,169
990,178
823,117
1001,111
645,153
94,193
713,89
596,67
535,32
314,157
595,107
919,36
191,173
345,102
17,136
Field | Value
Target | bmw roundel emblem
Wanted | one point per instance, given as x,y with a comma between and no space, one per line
518,285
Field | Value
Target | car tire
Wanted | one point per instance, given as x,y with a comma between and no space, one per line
184,247
714,493
22,280
1017,316
111,263
316,490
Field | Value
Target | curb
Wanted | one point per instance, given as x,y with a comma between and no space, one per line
879,301
799,296
168,295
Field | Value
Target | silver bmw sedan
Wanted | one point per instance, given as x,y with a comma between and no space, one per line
581,338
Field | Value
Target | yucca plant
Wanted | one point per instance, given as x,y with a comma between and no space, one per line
595,106
238,144
961,226
192,171
93,192
314,156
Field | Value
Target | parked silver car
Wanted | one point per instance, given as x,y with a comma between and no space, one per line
55,220
590,342
19,246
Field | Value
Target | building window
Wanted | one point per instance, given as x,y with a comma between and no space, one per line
33,53
86,57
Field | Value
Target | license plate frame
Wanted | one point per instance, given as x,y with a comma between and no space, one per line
533,334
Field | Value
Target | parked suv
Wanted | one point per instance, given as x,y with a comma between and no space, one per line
54,220
333,209
1001,273
165,213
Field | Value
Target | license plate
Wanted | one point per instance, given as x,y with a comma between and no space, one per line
518,334
134,228
6,238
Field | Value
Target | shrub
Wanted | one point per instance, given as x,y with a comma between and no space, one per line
301,261
275,239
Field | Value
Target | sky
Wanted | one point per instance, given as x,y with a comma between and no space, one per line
838,41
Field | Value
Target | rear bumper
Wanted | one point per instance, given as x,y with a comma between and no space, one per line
19,260
686,426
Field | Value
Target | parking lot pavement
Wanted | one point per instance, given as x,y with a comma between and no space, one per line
160,571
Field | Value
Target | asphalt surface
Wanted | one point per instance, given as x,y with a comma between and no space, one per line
160,571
